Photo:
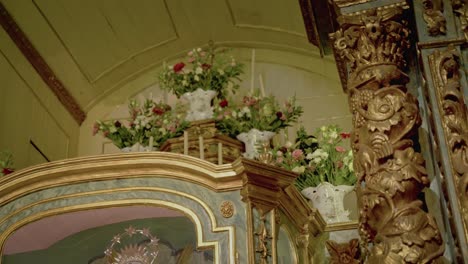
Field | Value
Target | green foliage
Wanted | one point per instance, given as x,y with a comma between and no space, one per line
262,113
156,120
208,70
319,158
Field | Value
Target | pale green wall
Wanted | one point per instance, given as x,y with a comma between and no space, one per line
30,111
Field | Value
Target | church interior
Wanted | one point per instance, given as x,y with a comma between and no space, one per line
157,131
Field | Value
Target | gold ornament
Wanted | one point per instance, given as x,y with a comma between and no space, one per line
227,209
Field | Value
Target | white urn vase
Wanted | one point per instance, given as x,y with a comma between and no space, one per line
137,147
328,199
199,104
252,140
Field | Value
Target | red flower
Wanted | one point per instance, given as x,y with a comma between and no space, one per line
178,67
345,135
158,111
279,114
223,103
117,124
206,66
7,171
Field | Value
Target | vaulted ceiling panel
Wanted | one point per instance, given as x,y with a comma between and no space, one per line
103,34
268,15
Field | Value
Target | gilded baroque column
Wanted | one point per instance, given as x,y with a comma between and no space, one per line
391,173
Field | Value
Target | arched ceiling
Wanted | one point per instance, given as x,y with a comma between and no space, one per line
95,46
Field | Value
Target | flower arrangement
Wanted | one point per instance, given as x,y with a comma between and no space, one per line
6,163
319,158
203,69
151,120
255,112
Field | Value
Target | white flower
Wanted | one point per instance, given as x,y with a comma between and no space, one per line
184,83
288,144
319,153
165,121
323,128
334,134
309,156
221,72
198,70
170,67
246,110
234,114
196,78
279,153
299,169
112,129
199,50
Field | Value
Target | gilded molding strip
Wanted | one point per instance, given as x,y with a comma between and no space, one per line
385,119
445,71
441,43
40,65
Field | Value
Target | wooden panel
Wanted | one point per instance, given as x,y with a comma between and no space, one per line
24,118
102,34
279,15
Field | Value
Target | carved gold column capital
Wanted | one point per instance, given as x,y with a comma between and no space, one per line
372,44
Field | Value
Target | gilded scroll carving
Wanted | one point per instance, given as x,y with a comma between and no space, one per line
264,238
386,117
434,17
343,253
445,69
460,8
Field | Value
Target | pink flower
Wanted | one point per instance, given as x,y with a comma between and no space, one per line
340,149
95,128
297,154
178,67
191,59
279,160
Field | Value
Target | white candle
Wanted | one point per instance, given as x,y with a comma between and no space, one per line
202,150
220,153
262,88
151,143
185,143
252,72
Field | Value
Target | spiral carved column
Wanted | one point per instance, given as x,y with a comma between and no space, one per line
391,173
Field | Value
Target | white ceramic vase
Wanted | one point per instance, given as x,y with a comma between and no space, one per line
328,199
137,147
252,140
199,104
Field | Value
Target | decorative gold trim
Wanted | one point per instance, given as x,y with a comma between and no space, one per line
123,165
187,211
214,223
460,9
446,76
342,226
40,65
227,209
441,43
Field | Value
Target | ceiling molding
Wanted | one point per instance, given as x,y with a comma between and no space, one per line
40,65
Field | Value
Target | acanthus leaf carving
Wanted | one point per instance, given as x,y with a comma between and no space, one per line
434,17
